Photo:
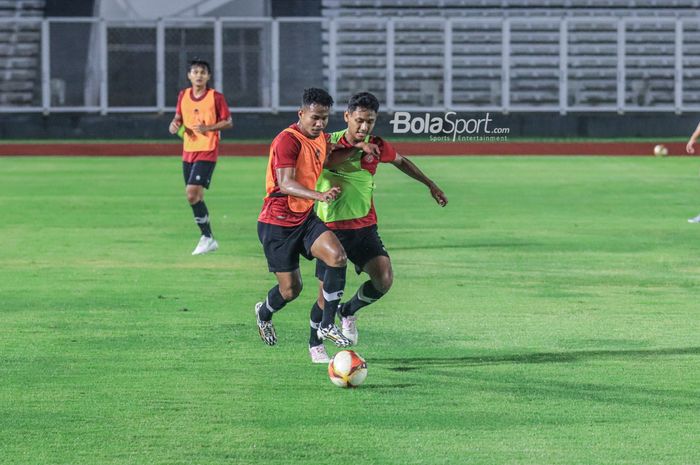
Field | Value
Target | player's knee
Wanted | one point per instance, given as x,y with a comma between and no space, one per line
337,259
384,281
291,291
193,196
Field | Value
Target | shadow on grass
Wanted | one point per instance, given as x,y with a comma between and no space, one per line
620,389
389,387
417,363
505,245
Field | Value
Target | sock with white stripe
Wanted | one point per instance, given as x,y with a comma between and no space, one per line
201,217
333,285
366,294
272,304
314,321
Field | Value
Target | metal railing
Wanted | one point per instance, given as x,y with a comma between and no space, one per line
514,64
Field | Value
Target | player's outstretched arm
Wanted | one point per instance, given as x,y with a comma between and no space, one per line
407,166
338,153
689,147
286,178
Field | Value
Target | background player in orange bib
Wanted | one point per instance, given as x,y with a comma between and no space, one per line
203,112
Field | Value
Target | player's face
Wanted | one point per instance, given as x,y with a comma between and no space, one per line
313,119
198,76
360,123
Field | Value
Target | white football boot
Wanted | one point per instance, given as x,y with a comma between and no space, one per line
205,245
349,328
318,354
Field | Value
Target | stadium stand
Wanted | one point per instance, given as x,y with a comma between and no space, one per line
20,51
691,64
534,73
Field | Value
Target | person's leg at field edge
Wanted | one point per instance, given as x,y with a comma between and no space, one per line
195,197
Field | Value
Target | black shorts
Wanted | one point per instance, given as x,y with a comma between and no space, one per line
198,173
361,245
283,245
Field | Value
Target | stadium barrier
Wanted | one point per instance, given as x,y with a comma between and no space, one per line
406,148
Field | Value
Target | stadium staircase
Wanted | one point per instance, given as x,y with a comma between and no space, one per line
20,51
535,51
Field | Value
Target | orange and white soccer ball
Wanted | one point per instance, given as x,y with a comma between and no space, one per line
347,369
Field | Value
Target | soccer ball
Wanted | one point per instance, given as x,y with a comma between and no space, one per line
660,151
347,369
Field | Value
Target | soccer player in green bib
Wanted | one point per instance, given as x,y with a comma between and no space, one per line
352,216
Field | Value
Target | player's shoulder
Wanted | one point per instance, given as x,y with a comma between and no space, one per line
335,136
285,138
180,97
219,98
386,149
287,132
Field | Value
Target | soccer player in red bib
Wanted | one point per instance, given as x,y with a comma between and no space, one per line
202,112
352,216
287,224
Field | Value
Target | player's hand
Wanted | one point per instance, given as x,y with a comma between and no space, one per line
369,149
438,195
174,126
201,128
689,148
329,195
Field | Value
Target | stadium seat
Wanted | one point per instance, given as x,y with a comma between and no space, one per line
19,51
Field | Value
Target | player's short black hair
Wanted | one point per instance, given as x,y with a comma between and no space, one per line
314,95
363,100
199,63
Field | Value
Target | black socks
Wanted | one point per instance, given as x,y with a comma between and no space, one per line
366,294
314,322
273,303
333,285
201,217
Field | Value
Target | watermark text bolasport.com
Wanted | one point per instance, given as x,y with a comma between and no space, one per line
448,127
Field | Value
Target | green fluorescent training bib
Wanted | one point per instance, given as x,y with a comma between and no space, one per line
356,186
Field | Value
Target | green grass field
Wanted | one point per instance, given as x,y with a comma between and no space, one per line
548,315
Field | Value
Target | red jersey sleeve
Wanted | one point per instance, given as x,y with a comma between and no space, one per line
285,149
178,109
387,152
222,110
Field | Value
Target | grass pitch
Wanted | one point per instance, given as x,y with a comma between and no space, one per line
547,315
